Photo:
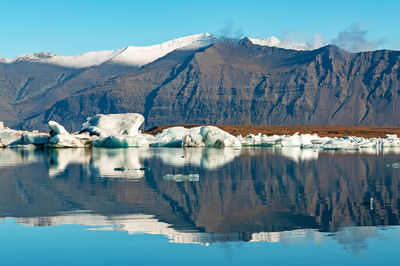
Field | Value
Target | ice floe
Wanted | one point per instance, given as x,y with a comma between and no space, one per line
182,178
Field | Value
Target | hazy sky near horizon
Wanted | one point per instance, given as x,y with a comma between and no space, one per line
73,27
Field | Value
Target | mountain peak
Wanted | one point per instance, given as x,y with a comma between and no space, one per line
271,41
245,41
35,57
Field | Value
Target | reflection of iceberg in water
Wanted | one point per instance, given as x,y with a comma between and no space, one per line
12,157
298,154
61,158
205,158
119,163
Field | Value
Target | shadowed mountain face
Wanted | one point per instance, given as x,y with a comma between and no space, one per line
228,82
259,190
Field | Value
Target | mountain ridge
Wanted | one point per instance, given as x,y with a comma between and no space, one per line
225,82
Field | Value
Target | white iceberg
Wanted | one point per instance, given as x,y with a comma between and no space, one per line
124,124
260,140
173,136
303,140
205,136
116,130
9,137
60,138
12,138
217,138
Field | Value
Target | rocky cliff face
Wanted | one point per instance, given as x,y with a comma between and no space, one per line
228,82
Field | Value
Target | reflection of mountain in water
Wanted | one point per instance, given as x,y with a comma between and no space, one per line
248,192
351,237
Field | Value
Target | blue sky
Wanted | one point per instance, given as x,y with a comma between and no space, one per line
73,27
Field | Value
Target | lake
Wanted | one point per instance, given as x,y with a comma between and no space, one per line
249,206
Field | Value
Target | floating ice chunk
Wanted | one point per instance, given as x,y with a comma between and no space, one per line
260,140
1,125
11,137
173,136
206,136
181,178
56,129
394,165
111,124
60,138
116,130
65,141
296,140
391,141
217,138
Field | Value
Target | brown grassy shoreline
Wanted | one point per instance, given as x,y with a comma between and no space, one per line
323,131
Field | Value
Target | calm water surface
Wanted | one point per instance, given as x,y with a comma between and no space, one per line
254,206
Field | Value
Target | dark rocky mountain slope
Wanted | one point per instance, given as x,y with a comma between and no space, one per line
228,82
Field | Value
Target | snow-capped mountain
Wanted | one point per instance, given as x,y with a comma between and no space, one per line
226,81
131,55
139,56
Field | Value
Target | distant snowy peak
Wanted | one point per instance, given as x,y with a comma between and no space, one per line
271,41
287,44
131,55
